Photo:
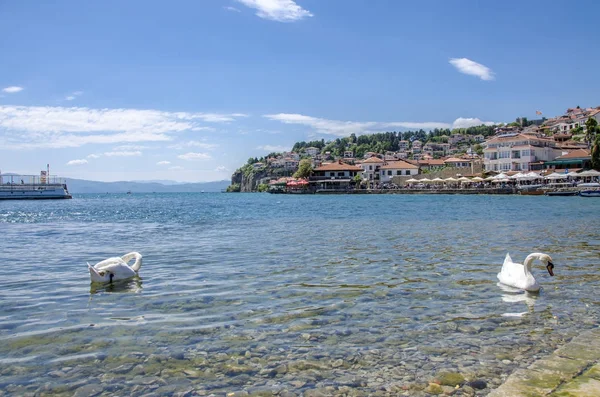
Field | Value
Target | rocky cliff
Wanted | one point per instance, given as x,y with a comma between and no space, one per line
248,181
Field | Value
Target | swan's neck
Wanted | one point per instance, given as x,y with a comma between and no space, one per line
138,260
528,263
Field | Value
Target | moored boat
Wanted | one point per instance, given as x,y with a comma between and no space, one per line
35,187
589,193
562,193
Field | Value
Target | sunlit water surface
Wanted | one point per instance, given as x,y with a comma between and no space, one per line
267,293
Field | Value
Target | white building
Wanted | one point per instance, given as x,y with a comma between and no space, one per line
515,152
312,151
371,168
396,168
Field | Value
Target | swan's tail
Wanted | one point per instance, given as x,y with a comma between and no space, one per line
507,259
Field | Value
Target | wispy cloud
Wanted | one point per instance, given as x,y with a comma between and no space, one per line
233,9
13,89
77,162
130,148
463,122
277,10
73,95
222,168
194,156
203,145
176,168
164,162
345,128
93,156
273,148
57,127
473,68
123,154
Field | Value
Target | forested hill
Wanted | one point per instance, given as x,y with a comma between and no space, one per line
389,141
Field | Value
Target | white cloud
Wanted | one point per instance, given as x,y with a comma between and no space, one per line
123,154
176,168
473,68
345,128
163,162
130,147
77,162
231,9
222,168
203,145
12,89
93,156
463,122
194,156
74,95
277,10
58,127
273,148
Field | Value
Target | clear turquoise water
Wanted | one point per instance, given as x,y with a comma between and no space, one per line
235,286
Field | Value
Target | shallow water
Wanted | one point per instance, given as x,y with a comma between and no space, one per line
266,293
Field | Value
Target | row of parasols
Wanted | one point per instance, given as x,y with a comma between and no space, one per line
502,177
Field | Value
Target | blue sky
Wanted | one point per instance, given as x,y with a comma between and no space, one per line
188,90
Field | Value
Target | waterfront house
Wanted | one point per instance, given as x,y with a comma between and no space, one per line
403,145
334,176
457,163
572,160
348,154
515,151
396,168
370,168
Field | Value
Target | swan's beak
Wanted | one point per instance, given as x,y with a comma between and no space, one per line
550,266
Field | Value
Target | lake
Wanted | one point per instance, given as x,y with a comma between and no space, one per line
288,294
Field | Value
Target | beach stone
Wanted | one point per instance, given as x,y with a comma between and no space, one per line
450,379
434,388
89,390
477,384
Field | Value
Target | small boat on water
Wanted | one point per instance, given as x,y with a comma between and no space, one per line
562,193
33,187
589,193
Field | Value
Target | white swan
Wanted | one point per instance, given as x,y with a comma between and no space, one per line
519,276
117,268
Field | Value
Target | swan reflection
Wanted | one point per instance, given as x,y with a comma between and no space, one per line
133,285
516,295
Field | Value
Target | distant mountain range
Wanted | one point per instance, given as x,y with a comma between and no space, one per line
84,186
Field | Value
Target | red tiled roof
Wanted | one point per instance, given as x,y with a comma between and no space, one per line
338,166
373,160
398,165
575,154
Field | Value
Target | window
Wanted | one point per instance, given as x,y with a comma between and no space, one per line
332,174
370,168
390,173
407,172
398,172
526,152
340,174
504,154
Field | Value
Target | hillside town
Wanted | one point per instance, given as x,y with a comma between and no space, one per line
560,144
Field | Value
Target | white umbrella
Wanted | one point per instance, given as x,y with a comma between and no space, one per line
436,180
450,180
412,180
533,175
517,176
501,176
425,180
489,178
464,179
556,175
477,179
573,174
589,173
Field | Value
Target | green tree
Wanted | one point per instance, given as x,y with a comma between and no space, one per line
591,126
596,153
263,187
304,169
